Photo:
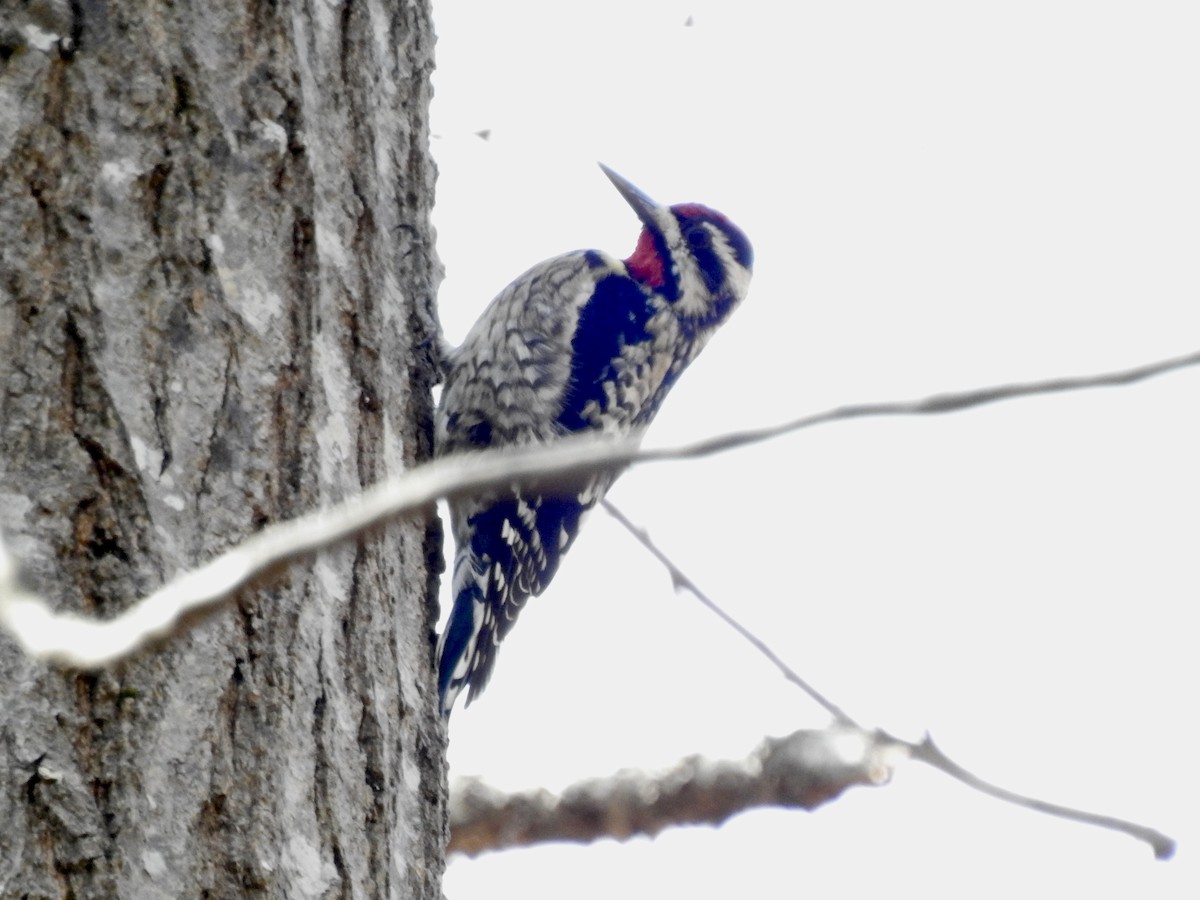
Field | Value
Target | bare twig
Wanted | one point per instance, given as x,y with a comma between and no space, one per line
681,581
931,754
83,642
935,405
926,751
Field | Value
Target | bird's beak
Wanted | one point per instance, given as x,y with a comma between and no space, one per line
646,209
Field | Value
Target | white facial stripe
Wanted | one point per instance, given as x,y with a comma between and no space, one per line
695,298
693,295
668,227
735,272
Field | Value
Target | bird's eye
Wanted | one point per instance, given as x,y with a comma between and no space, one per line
699,238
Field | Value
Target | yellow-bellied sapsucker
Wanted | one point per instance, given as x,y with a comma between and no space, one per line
583,342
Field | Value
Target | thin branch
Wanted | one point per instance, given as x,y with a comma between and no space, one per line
80,641
931,754
934,405
86,643
681,581
926,751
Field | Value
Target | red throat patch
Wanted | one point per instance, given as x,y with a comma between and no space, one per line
646,263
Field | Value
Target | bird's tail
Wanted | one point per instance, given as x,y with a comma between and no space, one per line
467,647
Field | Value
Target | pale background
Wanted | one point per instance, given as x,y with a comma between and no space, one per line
941,196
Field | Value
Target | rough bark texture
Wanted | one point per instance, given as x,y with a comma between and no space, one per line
216,283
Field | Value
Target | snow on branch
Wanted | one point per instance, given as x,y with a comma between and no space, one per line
84,642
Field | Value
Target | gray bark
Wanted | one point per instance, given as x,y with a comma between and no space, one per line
216,284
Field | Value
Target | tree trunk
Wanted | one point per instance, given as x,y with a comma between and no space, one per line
216,287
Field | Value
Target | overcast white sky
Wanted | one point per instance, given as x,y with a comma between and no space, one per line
941,196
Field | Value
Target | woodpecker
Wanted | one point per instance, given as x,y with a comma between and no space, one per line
583,342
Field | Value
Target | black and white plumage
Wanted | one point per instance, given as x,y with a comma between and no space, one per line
582,342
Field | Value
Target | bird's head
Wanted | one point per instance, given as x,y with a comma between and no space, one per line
690,254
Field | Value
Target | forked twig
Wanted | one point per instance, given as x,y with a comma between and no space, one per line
926,750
